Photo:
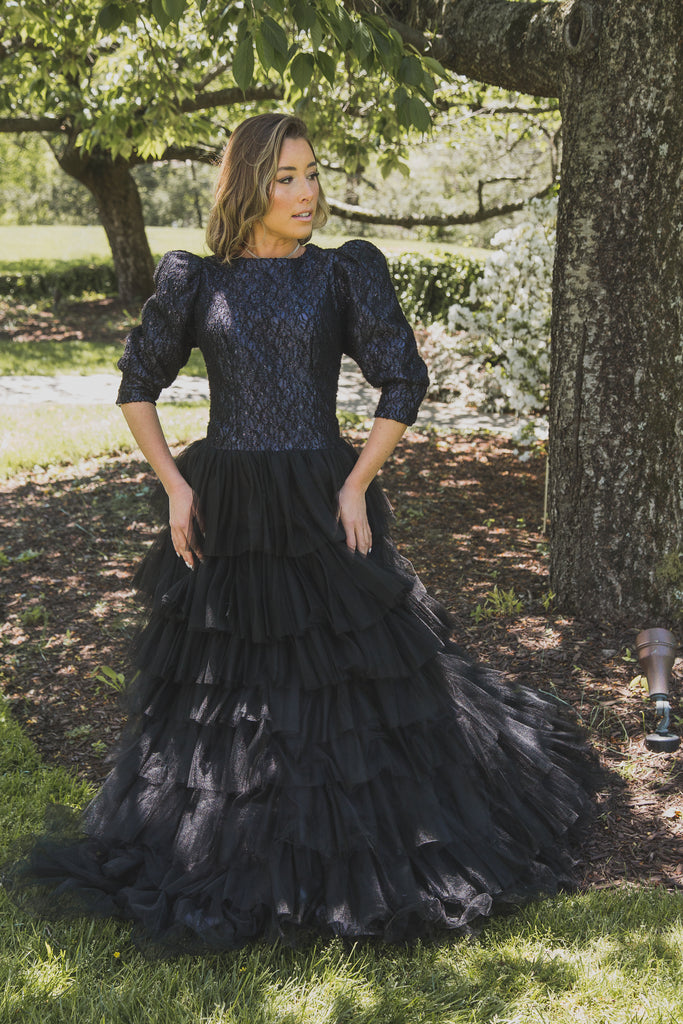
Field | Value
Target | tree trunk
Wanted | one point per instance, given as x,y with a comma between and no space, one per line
118,202
616,437
616,410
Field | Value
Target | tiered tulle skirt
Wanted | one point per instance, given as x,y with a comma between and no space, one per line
308,751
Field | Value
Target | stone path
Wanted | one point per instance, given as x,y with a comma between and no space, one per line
354,395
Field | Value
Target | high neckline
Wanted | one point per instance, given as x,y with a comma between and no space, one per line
278,259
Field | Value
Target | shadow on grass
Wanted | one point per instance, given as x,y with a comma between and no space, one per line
89,529
560,960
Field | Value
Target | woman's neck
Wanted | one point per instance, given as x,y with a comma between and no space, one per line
288,249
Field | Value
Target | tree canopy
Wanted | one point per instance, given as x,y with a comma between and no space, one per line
118,85
140,86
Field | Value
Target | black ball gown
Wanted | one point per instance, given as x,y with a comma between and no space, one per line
310,751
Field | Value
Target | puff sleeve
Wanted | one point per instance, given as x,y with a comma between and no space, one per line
377,334
161,344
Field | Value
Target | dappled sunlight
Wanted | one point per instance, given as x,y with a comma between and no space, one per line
467,516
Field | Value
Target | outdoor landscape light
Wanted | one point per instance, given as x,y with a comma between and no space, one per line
656,653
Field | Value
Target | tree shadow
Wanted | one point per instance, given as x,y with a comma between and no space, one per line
548,957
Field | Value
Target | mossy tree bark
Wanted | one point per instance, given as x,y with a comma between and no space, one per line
616,417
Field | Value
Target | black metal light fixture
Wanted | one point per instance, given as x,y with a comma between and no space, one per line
656,650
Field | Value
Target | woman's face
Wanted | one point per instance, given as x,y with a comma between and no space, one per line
293,195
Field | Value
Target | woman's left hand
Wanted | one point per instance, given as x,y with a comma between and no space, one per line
352,512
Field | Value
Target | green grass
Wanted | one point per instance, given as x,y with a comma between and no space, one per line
605,957
47,358
43,435
70,242
598,958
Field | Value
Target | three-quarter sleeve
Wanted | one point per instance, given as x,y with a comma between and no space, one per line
377,334
161,344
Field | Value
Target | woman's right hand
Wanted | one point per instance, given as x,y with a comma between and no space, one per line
186,524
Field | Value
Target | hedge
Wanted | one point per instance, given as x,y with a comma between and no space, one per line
35,280
426,285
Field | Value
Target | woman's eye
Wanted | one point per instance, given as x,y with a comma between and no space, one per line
290,178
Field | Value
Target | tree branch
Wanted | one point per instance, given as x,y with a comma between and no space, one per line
442,220
32,124
212,75
512,45
513,108
200,154
230,97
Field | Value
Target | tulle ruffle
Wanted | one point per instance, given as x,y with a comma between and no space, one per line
307,748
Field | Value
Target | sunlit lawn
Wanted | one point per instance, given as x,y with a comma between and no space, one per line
71,242
598,958
83,357
603,957
43,435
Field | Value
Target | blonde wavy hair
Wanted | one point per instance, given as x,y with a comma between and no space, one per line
245,179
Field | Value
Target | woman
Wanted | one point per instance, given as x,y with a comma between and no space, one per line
310,750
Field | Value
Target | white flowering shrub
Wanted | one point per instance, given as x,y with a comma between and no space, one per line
507,315
442,353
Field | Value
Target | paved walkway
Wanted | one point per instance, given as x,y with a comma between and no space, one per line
354,395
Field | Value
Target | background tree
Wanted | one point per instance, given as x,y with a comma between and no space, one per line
616,416
616,443
113,88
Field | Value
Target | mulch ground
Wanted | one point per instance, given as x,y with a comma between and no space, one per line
469,518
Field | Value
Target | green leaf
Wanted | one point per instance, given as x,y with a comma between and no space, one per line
301,70
274,35
317,35
266,53
400,96
418,115
342,26
410,71
362,41
383,45
130,14
435,66
175,9
160,14
110,17
243,63
304,15
327,65
428,85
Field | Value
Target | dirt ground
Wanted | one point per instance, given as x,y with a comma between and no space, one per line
468,515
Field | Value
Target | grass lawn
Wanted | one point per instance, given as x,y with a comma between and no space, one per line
82,357
42,435
608,956
85,336
82,337
71,242
598,958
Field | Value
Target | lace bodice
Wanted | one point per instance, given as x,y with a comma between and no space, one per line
272,333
